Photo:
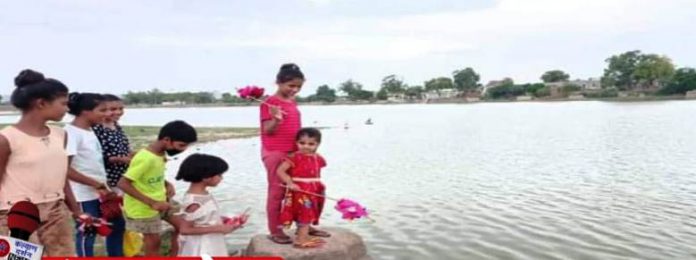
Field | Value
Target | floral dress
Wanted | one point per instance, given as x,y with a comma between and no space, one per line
114,142
304,208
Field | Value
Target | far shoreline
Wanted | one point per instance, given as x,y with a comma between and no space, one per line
7,110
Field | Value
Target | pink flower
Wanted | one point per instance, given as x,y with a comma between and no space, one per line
350,209
251,92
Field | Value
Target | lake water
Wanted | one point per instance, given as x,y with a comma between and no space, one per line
561,180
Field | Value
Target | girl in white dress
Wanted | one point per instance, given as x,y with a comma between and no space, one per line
201,225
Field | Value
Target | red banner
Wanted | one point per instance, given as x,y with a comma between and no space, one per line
162,258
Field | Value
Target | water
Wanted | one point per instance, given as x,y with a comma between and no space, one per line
566,180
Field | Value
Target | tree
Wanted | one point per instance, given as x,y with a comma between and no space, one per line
415,92
392,84
439,83
555,76
619,71
135,97
349,87
652,71
382,94
466,80
324,93
203,98
229,98
155,97
684,80
542,92
507,89
354,91
532,89
363,95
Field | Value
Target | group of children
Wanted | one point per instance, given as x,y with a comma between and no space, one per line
87,169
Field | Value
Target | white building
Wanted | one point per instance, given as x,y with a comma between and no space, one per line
589,84
691,94
442,93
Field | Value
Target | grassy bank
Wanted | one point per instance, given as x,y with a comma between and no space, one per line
141,136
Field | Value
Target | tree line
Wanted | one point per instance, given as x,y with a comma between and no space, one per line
631,71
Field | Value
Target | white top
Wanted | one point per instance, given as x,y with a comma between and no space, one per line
87,159
208,214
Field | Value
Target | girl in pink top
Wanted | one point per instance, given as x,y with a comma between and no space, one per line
34,164
280,122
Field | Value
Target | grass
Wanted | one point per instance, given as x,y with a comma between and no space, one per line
141,136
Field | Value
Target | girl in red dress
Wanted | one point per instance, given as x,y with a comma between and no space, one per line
301,173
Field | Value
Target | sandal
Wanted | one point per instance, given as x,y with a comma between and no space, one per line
280,239
319,233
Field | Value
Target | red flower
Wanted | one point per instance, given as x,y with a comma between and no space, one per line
250,92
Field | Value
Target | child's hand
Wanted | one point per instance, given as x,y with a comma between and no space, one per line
170,190
119,159
226,229
294,187
160,206
243,219
276,113
107,194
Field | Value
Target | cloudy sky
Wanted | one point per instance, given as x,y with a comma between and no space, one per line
114,46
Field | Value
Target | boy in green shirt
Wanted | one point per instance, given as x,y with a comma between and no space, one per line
147,193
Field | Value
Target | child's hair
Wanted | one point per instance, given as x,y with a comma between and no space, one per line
32,85
110,98
178,131
78,102
310,132
198,166
288,72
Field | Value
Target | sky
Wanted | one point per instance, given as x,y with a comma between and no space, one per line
117,46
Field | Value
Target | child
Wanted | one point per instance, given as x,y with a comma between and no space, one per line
204,232
115,144
301,173
280,121
116,155
146,203
87,172
34,165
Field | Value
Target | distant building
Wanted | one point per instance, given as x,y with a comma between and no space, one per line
691,94
174,103
576,96
588,84
396,97
556,88
523,98
442,93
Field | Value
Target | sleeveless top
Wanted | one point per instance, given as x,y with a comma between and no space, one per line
36,168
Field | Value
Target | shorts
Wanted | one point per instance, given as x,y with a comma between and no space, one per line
152,225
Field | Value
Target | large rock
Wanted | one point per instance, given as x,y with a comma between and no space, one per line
342,245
